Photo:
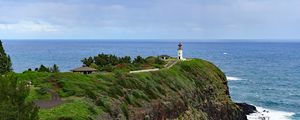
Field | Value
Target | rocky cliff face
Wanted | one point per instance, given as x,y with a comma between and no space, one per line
194,89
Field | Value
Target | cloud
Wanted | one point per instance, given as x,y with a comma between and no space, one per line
28,27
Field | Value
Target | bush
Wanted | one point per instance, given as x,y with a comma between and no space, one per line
124,109
91,94
108,68
42,91
13,96
150,59
105,103
139,60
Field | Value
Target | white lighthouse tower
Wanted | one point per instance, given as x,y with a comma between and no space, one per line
180,52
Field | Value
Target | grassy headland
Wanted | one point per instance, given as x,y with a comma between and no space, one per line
194,89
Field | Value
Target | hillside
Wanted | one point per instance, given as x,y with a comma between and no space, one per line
194,89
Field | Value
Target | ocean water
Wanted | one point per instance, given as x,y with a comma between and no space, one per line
266,75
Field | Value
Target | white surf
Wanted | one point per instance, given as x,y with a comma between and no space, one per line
233,78
268,114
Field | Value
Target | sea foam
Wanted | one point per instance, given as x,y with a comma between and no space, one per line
233,78
268,114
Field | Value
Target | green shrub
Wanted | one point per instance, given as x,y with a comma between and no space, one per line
124,109
91,94
105,103
140,95
13,104
42,91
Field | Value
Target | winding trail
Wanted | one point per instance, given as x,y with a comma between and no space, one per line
55,99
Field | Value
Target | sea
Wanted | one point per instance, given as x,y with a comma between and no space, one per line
266,75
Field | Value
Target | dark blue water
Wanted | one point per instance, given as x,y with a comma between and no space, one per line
268,73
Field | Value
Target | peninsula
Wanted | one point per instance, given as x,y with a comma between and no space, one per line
178,88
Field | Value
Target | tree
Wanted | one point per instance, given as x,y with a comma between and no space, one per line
139,60
125,59
5,62
87,61
12,103
113,59
55,69
93,65
101,60
43,69
106,59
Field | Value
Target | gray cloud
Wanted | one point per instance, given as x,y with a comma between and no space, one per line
195,19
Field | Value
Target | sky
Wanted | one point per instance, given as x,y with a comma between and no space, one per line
150,19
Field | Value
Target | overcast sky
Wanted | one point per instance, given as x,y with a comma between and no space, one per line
149,19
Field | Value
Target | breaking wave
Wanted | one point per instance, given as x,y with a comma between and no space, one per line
268,114
233,78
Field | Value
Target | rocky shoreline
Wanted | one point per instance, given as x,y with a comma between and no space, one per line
247,108
259,113
252,112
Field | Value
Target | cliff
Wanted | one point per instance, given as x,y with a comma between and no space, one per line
194,89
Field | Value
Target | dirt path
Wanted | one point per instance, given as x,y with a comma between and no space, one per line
167,66
170,63
55,99
146,70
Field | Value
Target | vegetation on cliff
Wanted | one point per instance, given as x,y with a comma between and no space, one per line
5,62
194,89
13,93
42,68
113,63
13,105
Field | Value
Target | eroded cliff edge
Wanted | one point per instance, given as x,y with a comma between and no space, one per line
194,89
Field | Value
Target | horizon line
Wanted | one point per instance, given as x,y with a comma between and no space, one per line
165,40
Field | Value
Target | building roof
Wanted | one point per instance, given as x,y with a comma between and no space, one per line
166,56
84,69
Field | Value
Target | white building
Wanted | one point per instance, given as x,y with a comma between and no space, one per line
180,52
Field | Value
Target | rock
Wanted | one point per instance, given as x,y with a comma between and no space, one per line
248,109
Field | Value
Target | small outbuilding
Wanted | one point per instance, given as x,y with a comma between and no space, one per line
164,57
84,70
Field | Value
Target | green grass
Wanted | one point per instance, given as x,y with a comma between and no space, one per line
34,94
38,79
75,110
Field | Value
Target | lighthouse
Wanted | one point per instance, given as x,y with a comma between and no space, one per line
180,52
